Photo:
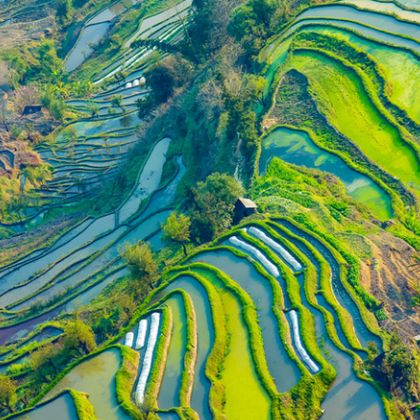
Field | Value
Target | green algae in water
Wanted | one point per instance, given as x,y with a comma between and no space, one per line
245,398
296,147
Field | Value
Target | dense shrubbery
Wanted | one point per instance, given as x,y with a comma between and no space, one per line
212,206
254,21
396,369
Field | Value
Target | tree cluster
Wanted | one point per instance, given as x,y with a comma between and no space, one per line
166,76
396,369
212,205
254,22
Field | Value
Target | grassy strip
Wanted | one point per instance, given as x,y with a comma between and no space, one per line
349,272
25,346
391,133
67,296
365,64
249,314
324,278
367,25
311,279
187,380
84,408
85,263
159,359
311,276
43,392
268,54
361,59
307,326
278,301
46,244
125,380
343,148
127,26
214,363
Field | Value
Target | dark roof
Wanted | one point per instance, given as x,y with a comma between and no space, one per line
31,109
246,202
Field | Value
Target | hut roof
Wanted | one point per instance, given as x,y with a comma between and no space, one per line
247,203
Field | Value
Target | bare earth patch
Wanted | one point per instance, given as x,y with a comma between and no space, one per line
392,276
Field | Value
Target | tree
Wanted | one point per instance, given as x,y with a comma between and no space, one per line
64,11
213,205
8,389
177,229
79,336
116,100
38,175
396,368
44,361
17,206
170,73
254,21
208,30
141,262
162,83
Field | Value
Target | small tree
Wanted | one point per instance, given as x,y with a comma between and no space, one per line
116,100
45,362
213,205
8,396
141,261
79,336
177,229
396,368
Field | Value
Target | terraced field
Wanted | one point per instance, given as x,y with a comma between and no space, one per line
80,263
345,60
269,303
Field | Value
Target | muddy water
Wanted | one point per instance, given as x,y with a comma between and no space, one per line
96,377
61,408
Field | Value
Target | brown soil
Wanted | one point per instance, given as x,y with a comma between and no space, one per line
20,33
392,276
20,245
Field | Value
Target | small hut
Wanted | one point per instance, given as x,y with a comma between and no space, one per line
31,109
244,207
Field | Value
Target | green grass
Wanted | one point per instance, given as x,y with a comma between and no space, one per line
247,395
399,67
341,97
214,362
125,380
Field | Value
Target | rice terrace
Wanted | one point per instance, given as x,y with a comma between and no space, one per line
209,209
